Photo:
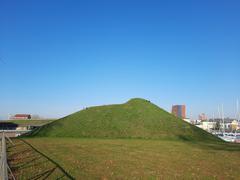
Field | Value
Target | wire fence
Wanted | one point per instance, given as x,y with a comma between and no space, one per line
20,160
28,163
5,170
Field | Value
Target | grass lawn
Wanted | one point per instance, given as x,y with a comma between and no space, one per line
145,159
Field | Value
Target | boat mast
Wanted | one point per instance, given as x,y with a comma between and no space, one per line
223,120
238,114
213,122
219,118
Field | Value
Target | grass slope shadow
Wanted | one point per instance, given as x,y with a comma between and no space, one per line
26,162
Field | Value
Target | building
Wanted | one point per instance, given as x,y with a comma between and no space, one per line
202,117
208,125
179,111
22,117
234,125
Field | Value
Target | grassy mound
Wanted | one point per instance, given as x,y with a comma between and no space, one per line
138,118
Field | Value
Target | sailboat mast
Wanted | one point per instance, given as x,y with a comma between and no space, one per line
223,120
219,118
238,114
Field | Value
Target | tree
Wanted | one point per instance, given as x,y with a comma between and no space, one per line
217,126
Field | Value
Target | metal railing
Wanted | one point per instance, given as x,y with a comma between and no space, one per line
4,167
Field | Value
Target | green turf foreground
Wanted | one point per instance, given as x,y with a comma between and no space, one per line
141,159
26,162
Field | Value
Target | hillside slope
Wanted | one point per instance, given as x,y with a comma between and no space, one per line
137,118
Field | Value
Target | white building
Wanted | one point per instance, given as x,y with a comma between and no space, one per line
207,126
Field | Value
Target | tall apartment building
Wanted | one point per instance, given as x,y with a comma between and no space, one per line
179,111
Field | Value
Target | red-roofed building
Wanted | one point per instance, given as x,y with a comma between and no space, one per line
22,116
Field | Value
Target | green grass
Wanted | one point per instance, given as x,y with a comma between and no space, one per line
28,163
142,159
135,140
137,118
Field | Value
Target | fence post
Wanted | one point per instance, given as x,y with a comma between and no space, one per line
3,162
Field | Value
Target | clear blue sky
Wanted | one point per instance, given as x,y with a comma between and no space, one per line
60,56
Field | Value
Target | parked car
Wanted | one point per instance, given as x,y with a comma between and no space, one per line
237,140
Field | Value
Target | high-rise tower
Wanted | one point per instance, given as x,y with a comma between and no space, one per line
179,111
